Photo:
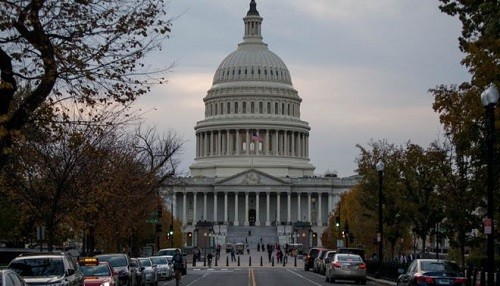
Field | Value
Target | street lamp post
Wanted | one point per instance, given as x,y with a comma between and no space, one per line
380,169
489,98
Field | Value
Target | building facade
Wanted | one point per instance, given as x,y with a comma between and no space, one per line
252,166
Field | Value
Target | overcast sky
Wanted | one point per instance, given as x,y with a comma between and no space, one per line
362,68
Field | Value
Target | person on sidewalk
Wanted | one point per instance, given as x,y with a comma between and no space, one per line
233,255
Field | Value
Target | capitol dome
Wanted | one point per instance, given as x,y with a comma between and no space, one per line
252,114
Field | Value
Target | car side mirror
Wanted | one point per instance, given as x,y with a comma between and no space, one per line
114,273
70,272
133,264
401,270
142,268
328,260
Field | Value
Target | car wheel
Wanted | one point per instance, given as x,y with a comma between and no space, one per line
332,280
306,268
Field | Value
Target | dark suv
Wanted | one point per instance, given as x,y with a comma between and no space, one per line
309,258
122,264
47,269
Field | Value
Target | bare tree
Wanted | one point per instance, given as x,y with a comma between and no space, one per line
79,52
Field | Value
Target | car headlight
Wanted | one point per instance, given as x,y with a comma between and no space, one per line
105,284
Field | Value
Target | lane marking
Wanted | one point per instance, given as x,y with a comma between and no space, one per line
309,280
251,277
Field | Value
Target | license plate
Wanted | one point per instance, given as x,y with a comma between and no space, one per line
443,281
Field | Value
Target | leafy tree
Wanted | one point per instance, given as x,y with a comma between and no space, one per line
391,155
420,178
74,55
462,116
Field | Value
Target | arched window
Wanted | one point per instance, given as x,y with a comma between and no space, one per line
261,107
252,107
236,107
228,106
221,108
275,108
268,107
282,109
244,107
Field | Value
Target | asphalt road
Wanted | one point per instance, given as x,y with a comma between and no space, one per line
255,276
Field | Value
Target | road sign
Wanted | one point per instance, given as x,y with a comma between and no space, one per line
487,225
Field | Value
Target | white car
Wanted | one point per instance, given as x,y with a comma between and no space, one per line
163,271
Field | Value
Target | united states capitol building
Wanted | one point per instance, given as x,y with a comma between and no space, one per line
252,180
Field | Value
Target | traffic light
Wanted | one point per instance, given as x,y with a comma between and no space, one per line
337,221
171,232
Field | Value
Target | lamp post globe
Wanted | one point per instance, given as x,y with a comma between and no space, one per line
489,98
380,170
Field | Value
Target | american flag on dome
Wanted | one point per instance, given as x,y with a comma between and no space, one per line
257,137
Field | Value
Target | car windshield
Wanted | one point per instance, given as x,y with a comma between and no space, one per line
166,252
439,266
346,258
159,260
314,252
145,262
38,266
114,261
99,270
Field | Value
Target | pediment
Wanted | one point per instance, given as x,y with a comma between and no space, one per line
252,177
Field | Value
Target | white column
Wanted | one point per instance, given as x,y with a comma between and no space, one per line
211,144
195,219
257,209
205,207
184,204
215,207
275,145
228,140
289,214
238,141
247,135
268,208
266,144
320,217
309,207
292,138
205,144
225,207
236,222
219,142
278,208
246,209
298,208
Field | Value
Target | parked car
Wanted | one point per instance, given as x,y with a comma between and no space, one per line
318,259
309,258
162,269
346,266
121,263
97,273
9,277
47,269
432,272
322,263
148,272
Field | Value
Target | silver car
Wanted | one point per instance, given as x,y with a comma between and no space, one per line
346,267
162,268
148,270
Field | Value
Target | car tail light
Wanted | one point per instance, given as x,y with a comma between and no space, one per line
362,266
425,279
337,265
460,280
